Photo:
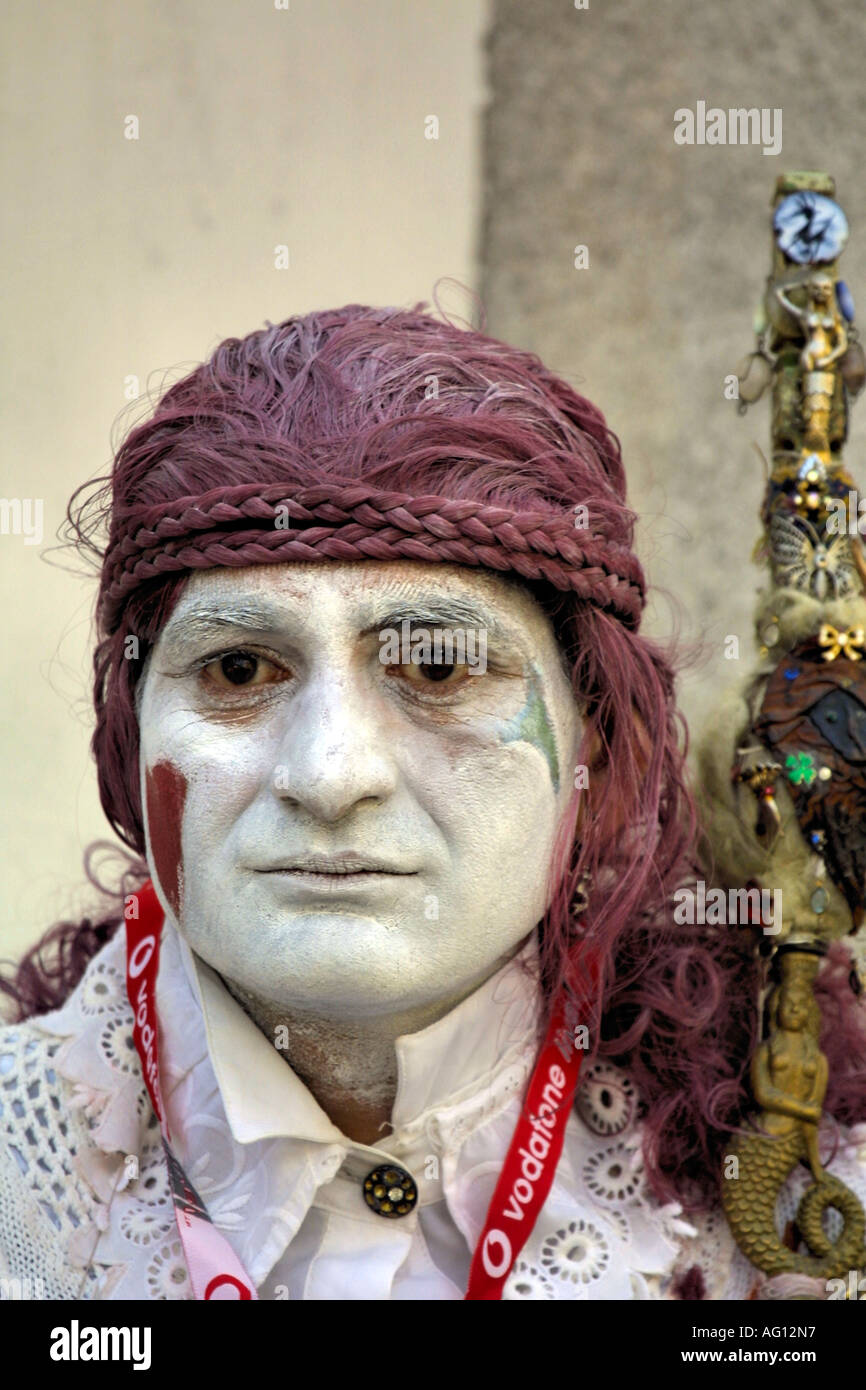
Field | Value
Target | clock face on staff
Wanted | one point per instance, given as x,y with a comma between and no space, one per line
810,228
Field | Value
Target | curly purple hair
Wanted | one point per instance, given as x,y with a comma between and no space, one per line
341,398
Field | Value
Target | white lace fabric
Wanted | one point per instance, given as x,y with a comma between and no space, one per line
85,1207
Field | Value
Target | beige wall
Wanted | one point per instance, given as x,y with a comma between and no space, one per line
257,127
306,127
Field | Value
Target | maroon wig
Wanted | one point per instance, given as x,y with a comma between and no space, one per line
386,433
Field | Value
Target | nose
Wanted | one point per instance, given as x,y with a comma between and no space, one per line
334,753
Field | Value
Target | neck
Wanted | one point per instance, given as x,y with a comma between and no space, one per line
349,1065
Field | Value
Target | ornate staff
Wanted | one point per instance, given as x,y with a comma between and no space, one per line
790,814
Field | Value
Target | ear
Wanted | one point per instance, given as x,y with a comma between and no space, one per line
598,768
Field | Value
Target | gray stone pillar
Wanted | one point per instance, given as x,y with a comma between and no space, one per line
580,150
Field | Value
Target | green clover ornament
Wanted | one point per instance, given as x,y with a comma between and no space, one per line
801,768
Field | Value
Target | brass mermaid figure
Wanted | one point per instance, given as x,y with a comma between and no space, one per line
789,1080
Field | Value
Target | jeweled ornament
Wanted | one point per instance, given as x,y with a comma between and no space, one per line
390,1191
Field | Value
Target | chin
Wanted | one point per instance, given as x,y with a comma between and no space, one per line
301,956
343,989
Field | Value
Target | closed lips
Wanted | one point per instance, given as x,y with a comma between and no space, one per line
318,864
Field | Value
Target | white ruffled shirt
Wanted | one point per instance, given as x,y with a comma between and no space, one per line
84,1200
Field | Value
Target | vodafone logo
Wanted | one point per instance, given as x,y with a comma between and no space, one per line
527,1173
140,958
236,1288
496,1241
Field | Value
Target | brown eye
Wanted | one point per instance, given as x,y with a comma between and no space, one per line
241,669
432,672
426,673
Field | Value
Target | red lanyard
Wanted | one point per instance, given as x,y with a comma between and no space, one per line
524,1183
527,1174
214,1269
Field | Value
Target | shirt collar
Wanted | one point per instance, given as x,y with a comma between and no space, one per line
441,1064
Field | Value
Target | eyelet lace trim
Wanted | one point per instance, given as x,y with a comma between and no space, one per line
85,1206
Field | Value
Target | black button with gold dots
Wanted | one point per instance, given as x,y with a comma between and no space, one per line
390,1191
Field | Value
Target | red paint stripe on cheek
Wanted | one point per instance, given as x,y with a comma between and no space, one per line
166,794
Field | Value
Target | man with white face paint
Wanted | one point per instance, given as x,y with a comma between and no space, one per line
392,1007
338,866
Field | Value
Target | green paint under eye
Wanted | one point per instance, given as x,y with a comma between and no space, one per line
532,725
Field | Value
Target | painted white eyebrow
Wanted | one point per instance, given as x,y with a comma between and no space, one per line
216,619
444,612
206,619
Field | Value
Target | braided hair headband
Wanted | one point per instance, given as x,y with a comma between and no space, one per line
253,524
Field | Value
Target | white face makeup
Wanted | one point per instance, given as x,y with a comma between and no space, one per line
271,733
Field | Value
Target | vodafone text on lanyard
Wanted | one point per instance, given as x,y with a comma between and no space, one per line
527,1175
